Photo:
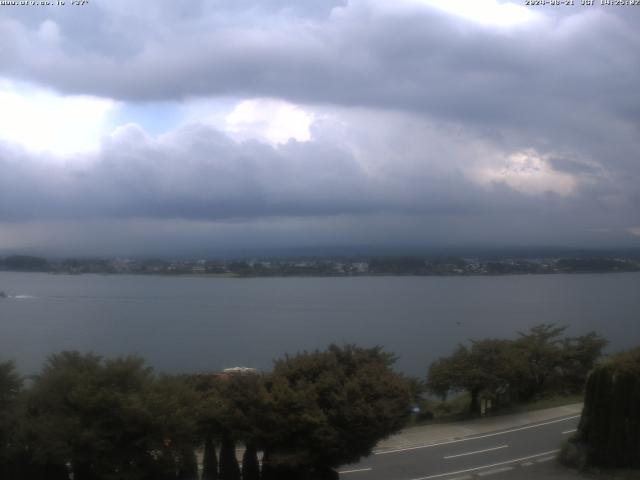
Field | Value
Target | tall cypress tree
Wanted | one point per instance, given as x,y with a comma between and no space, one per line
250,465
188,466
267,470
229,468
610,425
83,471
52,471
210,460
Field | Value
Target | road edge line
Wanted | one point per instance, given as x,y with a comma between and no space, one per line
506,462
467,439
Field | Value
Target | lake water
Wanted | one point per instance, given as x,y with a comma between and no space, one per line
197,324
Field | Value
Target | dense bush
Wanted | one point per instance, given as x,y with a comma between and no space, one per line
87,418
609,429
539,363
330,408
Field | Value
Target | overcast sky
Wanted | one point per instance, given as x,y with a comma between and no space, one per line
208,125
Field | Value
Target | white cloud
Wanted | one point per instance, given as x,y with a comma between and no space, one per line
529,173
491,13
49,33
634,231
41,120
274,121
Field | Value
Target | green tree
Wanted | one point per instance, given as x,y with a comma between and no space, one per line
487,368
10,386
250,465
229,468
579,356
188,465
446,374
108,419
170,404
417,388
210,459
609,430
328,408
242,400
539,362
230,409
541,350
62,416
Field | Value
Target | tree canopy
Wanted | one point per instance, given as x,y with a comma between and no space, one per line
327,408
538,362
609,430
107,418
92,418
10,385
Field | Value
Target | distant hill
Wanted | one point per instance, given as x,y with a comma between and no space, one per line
24,263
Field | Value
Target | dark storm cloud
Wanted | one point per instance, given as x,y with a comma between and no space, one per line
362,54
564,86
563,82
198,172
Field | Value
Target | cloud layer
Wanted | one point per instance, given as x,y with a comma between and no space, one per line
360,114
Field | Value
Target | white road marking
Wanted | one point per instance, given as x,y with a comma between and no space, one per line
526,464
545,459
355,471
466,477
439,475
494,471
477,451
448,442
569,431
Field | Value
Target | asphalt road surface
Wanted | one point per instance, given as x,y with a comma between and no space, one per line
504,452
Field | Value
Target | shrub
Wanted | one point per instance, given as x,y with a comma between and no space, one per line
610,424
573,455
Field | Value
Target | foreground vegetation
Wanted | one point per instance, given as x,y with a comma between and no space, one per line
456,408
609,431
114,419
89,418
496,373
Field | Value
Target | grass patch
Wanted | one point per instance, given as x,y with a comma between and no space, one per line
456,408
550,402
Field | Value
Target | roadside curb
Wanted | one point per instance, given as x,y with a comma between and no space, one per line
438,434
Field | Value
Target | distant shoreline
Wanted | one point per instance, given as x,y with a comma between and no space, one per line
362,275
325,266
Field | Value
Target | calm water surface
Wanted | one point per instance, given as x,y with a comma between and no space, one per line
188,324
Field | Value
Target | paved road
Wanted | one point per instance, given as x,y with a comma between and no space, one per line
501,453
